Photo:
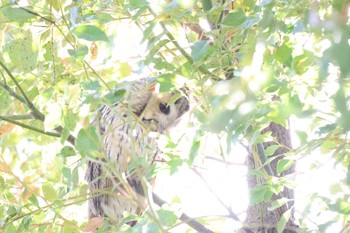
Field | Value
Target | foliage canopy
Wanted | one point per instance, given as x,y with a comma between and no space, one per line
61,60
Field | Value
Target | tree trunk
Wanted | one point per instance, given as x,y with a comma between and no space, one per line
259,219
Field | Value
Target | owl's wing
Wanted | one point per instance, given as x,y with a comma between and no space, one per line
94,171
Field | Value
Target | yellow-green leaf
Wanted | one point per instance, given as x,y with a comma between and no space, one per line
90,33
49,192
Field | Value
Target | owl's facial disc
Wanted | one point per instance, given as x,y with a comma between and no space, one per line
152,124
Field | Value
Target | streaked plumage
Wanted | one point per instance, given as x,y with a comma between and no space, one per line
125,128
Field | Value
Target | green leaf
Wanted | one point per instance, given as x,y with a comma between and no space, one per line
148,31
260,193
341,206
272,88
2,184
64,135
327,128
66,173
166,217
5,102
67,151
302,136
283,54
16,15
21,52
199,50
124,69
234,18
194,150
152,227
283,221
100,17
79,53
174,165
91,85
55,4
70,120
90,33
24,225
136,4
271,150
278,203
12,211
88,141
157,47
187,70
249,3
49,192
34,200
32,93
283,165
166,82
302,63
115,96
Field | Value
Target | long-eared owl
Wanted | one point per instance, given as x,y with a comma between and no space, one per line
125,135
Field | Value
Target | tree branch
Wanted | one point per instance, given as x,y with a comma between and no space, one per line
19,117
30,127
11,92
36,113
184,218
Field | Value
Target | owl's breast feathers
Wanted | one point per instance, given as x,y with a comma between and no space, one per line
124,140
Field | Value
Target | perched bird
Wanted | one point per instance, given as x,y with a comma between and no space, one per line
125,134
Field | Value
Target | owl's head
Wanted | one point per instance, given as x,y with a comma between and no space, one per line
158,111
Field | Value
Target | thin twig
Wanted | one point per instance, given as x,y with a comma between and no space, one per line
231,214
225,162
98,76
177,45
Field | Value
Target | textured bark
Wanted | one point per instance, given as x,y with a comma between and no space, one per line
259,219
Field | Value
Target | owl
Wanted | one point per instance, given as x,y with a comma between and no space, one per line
125,130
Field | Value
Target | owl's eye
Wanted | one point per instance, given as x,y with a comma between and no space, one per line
164,108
